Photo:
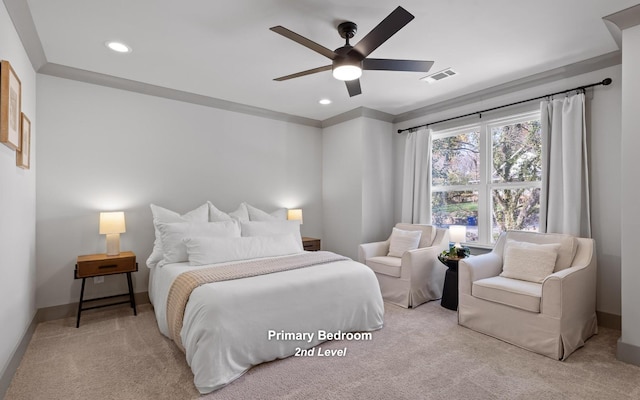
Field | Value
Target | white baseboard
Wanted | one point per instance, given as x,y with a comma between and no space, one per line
628,353
14,362
71,310
607,320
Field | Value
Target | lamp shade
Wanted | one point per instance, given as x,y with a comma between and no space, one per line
295,214
112,222
458,233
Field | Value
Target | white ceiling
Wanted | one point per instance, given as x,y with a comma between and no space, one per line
224,48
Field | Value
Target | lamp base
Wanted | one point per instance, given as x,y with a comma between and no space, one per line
113,244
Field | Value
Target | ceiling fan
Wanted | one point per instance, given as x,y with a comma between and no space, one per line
349,61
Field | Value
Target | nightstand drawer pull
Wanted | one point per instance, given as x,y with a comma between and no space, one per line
108,266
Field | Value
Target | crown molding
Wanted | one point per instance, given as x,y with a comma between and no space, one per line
568,71
627,18
22,19
357,113
76,74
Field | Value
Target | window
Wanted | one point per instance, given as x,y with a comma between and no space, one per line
488,177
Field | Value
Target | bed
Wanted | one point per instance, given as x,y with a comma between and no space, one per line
228,326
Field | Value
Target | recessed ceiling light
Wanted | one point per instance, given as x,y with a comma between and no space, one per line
118,47
324,102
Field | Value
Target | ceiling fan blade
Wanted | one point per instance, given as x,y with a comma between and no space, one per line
304,41
353,87
303,73
383,64
385,29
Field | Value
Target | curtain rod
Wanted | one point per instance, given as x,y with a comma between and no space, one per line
605,82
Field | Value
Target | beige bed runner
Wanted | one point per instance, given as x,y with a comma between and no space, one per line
186,282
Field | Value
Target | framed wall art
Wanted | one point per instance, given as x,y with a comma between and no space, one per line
10,102
24,154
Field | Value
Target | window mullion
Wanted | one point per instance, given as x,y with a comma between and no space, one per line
484,203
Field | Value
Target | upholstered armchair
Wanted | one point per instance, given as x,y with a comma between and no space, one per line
413,277
549,309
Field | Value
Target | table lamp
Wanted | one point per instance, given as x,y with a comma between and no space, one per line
112,224
458,234
295,214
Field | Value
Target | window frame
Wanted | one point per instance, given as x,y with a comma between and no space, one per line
486,186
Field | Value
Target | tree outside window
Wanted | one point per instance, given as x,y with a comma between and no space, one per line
488,197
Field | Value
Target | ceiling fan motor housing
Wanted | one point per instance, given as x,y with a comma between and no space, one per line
347,30
349,58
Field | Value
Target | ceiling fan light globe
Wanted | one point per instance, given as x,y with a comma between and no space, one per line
347,72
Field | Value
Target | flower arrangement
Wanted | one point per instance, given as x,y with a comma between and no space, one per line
455,253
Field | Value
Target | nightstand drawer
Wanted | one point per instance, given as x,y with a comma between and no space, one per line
310,244
92,266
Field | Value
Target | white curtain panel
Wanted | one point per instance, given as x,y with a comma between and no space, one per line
565,187
416,184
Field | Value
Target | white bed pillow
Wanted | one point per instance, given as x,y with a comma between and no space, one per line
163,215
256,214
212,250
402,241
215,215
173,235
529,261
241,213
272,228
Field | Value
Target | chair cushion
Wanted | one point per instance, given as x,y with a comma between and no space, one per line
529,261
427,236
511,292
402,241
385,265
566,252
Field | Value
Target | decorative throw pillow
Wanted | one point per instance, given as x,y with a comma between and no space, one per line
173,235
566,252
402,241
256,214
241,213
529,261
216,215
212,250
163,215
272,228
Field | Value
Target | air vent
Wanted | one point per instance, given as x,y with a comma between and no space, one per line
440,75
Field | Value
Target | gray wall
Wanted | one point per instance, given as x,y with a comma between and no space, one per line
107,149
17,212
342,186
604,116
377,180
357,187
630,339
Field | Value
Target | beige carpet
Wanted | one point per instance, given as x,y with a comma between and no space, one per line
419,354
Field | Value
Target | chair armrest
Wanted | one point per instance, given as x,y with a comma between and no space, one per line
421,264
374,249
471,269
570,294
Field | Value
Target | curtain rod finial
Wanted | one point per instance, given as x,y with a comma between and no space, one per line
607,81
399,131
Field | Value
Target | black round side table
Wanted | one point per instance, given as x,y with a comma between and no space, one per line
450,290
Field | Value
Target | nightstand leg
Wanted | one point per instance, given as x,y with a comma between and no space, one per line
131,295
80,304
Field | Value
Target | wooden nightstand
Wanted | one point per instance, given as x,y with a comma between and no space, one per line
100,265
310,244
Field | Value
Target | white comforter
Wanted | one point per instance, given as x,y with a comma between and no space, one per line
226,324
